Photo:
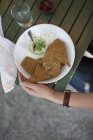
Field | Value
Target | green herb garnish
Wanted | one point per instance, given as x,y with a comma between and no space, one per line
39,44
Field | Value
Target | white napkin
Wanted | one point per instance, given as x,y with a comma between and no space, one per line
8,69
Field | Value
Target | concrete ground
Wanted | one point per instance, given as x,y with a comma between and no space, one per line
23,117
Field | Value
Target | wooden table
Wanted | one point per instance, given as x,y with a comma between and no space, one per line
74,16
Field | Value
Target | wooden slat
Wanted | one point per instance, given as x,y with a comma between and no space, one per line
14,27
17,35
44,18
7,18
81,21
61,11
83,44
4,5
86,37
77,6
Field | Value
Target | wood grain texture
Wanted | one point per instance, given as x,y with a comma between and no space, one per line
61,11
4,5
81,21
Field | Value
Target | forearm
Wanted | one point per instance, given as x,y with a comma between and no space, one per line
81,100
78,100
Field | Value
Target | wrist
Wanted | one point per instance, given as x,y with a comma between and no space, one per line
57,97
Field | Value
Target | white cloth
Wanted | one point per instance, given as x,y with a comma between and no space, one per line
8,69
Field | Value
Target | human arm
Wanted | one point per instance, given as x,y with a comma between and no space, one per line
78,100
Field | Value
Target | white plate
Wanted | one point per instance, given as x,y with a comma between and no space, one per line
49,32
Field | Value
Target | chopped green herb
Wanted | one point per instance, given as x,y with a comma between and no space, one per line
39,44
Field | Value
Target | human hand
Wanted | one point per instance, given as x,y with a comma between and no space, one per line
38,90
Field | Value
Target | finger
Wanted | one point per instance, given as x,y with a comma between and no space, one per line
21,77
24,78
29,85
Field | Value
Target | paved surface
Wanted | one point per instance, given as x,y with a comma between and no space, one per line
23,117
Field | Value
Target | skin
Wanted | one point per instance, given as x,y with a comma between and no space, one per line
78,100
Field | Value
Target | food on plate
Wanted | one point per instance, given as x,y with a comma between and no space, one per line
35,69
39,74
38,46
39,61
50,65
29,65
57,50
55,57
